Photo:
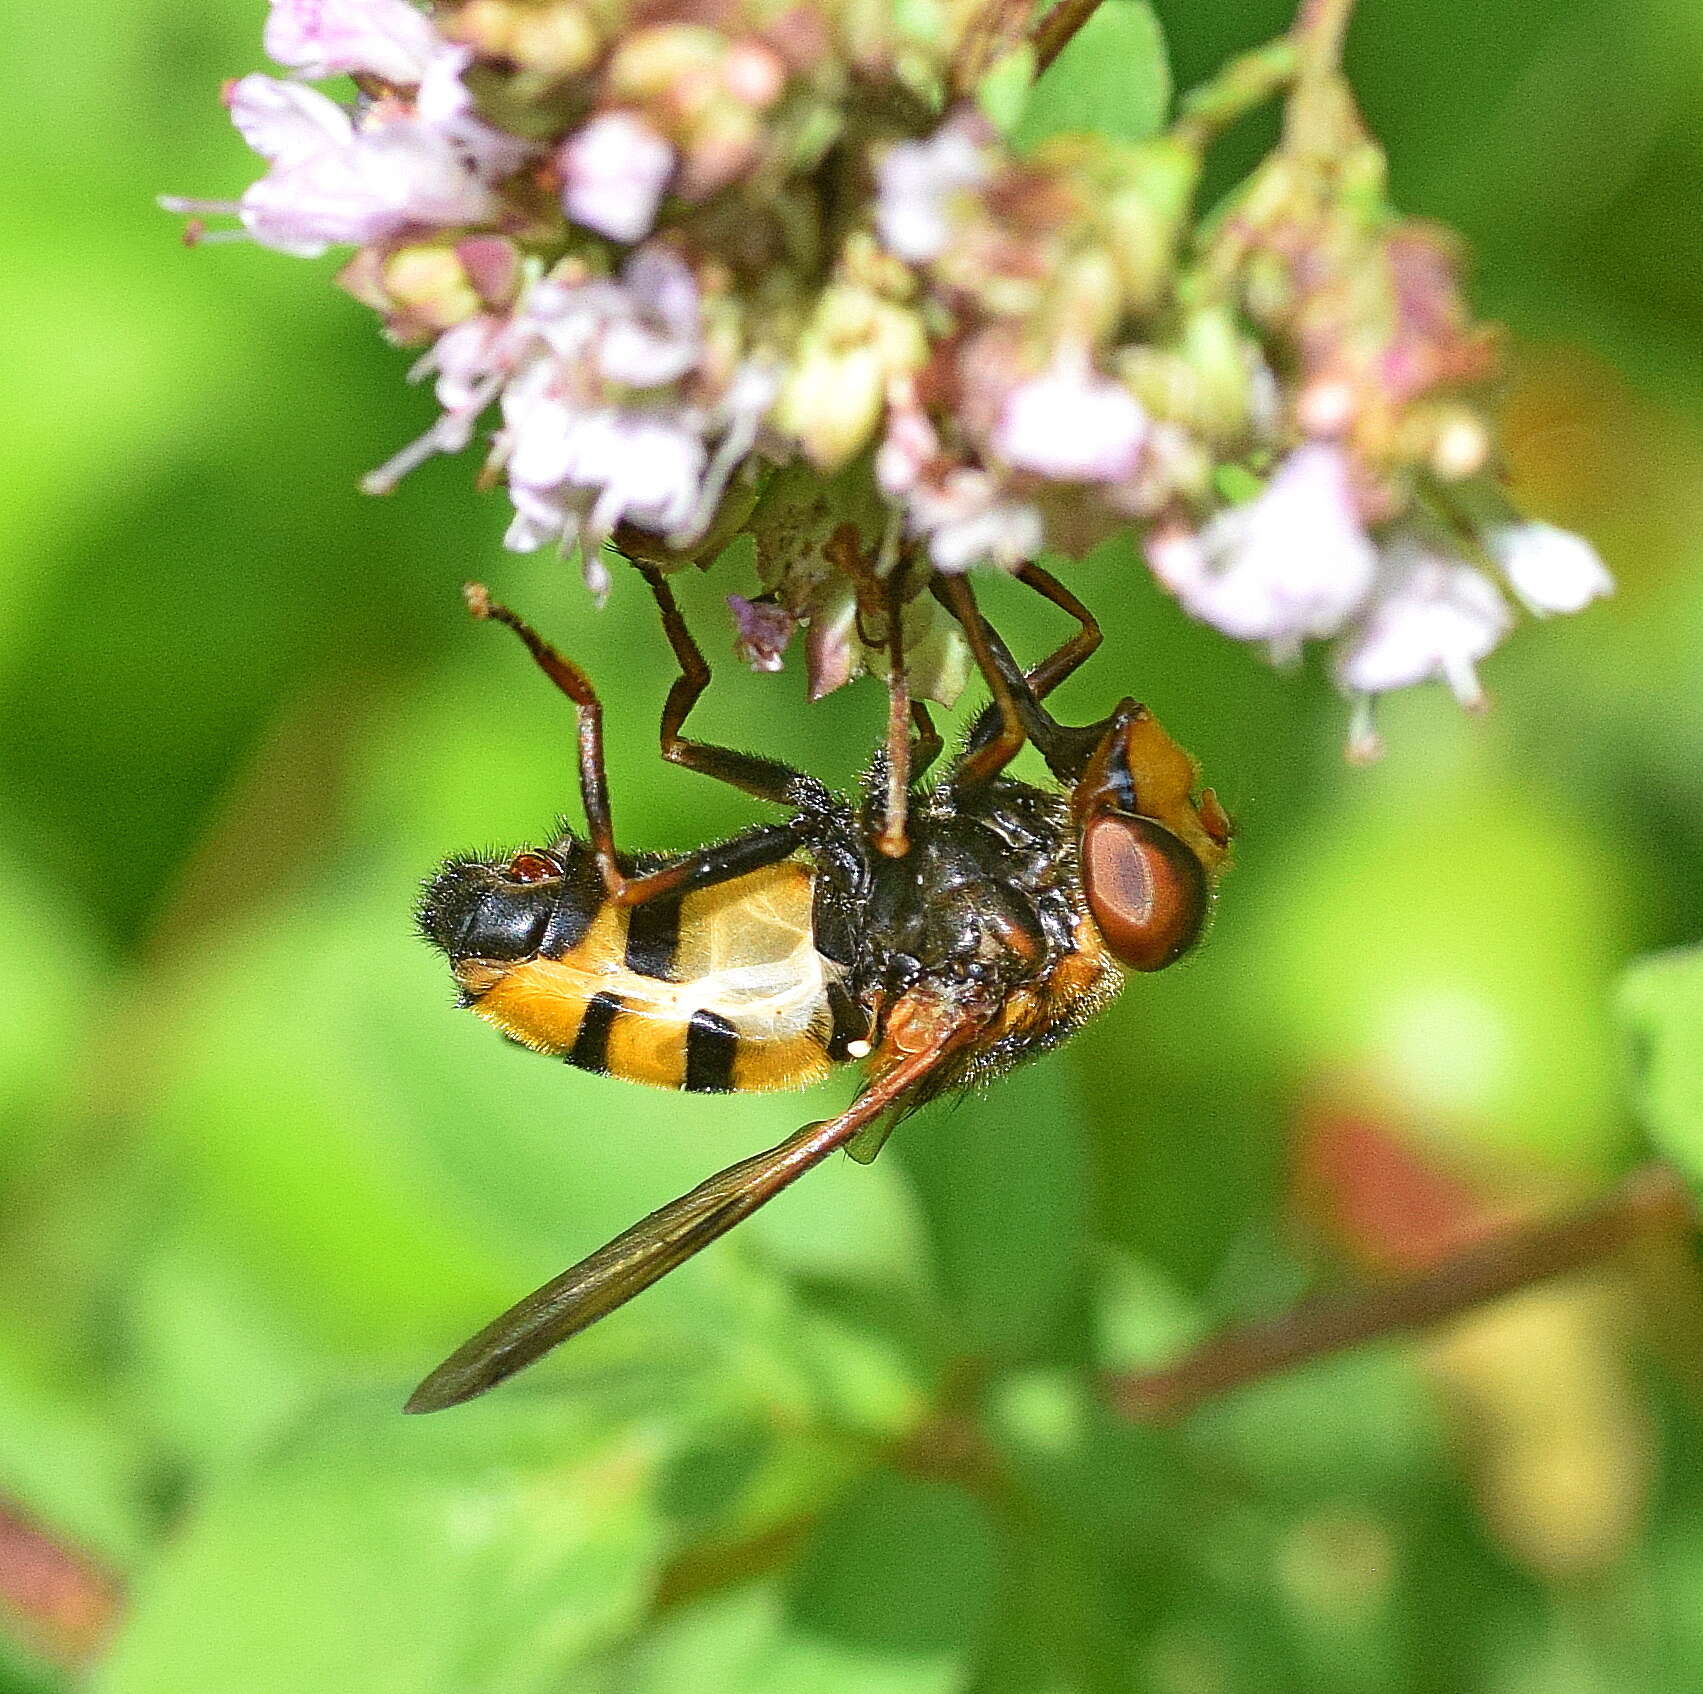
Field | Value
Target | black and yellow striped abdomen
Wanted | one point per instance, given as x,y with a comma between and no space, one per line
716,990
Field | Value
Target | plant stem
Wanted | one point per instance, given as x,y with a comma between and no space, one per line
1318,32
1322,118
1055,31
1000,27
1245,83
1652,1202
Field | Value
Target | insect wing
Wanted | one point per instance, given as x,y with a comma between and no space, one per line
653,1247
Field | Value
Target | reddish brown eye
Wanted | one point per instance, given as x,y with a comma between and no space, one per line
531,867
1147,891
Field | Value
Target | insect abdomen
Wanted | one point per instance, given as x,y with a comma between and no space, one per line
719,990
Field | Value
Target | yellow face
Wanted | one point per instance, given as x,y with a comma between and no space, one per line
1151,843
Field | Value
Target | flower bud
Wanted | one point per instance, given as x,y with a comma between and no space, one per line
544,42
420,290
856,347
762,631
1145,215
614,171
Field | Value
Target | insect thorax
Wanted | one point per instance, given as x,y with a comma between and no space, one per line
986,905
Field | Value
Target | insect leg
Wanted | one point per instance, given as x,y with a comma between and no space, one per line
658,1244
720,862
1052,670
1015,715
892,838
768,779
573,682
926,748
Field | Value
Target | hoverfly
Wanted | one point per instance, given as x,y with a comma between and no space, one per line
984,927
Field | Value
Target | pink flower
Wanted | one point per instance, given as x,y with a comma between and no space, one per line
963,511
467,357
640,332
968,522
576,472
910,446
472,361
388,39
1548,568
1177,559
1430,617
762,631
332,184
285,122
1070,424
917,182
614,172
596,431
1291,563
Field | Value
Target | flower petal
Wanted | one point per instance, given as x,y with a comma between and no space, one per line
384,38
1071,424
1292,563
1550,569
1432,617
614,171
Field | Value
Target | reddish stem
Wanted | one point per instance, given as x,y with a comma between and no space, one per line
1652,1202
1058,28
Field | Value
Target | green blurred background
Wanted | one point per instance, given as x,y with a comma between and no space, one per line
258,1175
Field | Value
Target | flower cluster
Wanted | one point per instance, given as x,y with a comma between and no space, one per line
767,267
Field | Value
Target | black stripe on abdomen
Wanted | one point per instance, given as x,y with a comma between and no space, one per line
653,938
590,1051
711,1042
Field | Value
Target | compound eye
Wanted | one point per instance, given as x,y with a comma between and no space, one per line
1148,893
531,867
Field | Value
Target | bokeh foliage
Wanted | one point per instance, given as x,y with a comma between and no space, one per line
258,1174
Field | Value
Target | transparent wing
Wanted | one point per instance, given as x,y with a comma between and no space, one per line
656,1245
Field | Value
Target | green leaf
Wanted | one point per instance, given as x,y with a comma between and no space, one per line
1143,1319
43,944
481,1553
1661,1004
69,1454
1002,1184
709,1646
1003,93
894,1593
1113,80
892,1597
1353,1423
